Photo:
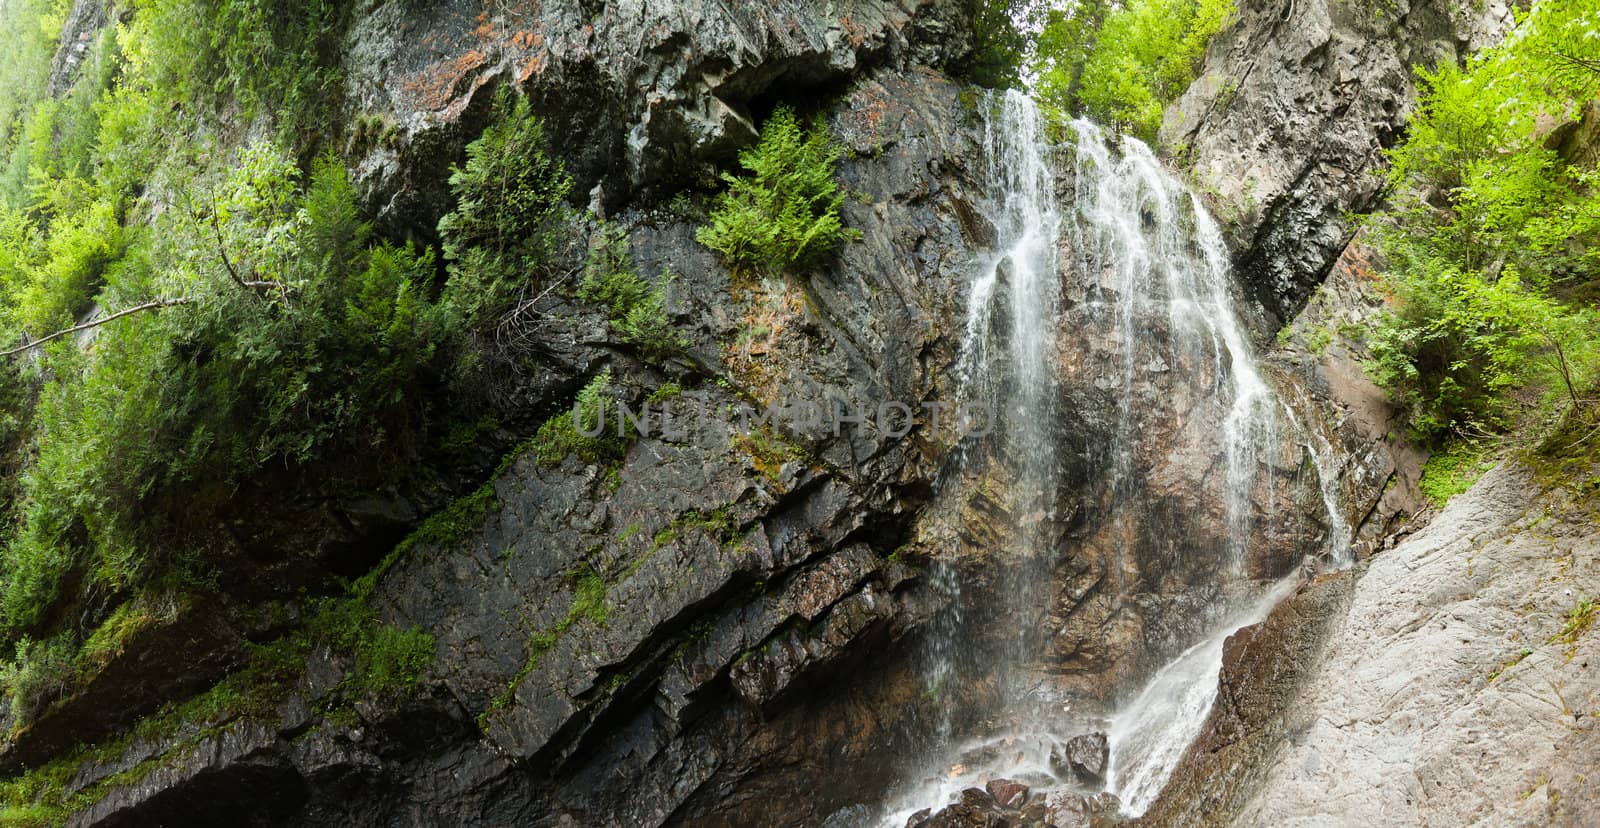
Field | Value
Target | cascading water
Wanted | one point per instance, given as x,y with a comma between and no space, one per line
1153,261
1164,257
1007,365
1139,223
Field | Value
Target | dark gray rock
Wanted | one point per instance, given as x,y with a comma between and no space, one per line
1083,758
704,686
1006,804
637,95
1286,127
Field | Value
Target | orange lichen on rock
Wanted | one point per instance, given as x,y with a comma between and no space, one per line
436,86
532,66
855,32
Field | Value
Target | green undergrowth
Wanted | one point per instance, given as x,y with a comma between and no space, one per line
1569,455
510,219
782,213
276,335
37,797
1490,239
718,524
46,671
1122,63
635,308
1577,623
1454,469
586,430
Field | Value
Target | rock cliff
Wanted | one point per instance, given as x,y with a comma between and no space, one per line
631,648
1286,126
724,629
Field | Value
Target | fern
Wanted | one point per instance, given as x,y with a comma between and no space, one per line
635,308
511,205
784,212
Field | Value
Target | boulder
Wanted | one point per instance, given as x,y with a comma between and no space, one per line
1007,793
1082,758
1065,809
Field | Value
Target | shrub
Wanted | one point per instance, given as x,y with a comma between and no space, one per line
1457,342
83,240
1452,470
276,58
42,672
387,659
510,212
633,305
32,28
139,445
784,211
1492,241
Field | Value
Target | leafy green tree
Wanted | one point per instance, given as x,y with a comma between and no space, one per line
510,214
1121,64
1491,237
1065,41
998,46
301,339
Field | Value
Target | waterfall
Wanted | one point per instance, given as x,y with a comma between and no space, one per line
1156,283
1165,257
1006,363
1169,284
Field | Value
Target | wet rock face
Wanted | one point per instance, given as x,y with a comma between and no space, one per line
1004,803
712,636
1286,127
1264,667
637,94
1416,689
1169,526
1380,469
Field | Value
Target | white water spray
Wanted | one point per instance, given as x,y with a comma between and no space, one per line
1165,282
1158,247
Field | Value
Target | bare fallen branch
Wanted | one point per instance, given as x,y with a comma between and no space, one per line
94,323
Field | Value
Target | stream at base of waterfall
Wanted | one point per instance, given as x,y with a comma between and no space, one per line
1153,252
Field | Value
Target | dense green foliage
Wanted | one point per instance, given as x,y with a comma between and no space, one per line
999,48
270,338
635,308
180,406
783,212
1493,240
510,210
1121,63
